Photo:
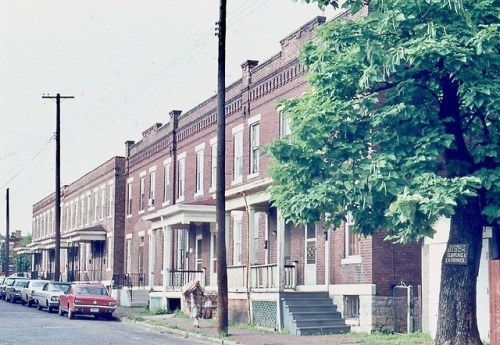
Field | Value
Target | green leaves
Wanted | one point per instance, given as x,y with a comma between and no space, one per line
381,133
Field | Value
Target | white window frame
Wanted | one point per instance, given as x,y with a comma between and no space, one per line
166,182
237,155
103,202
130,189
200,152
254,149
181,177
152,189
284,123
142,193
349,258
213,165
111,199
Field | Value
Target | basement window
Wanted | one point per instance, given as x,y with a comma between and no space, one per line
351,307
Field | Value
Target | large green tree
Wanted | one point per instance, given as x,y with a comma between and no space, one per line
400,125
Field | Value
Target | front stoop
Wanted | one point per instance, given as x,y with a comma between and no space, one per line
311,313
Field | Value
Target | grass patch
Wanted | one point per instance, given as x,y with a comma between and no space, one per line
136,318
395,339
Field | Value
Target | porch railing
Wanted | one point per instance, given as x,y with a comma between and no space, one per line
130,280
236,277
176,279
261,277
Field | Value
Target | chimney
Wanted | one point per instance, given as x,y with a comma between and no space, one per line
246,68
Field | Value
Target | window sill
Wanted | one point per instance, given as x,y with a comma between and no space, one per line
235,182
353,259
253,175
141,212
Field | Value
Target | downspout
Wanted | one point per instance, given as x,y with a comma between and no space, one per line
250,316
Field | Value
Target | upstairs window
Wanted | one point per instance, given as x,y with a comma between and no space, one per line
238,157
254,148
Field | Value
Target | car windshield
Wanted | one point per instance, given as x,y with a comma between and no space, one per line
38,284
87,290
22,284
60,287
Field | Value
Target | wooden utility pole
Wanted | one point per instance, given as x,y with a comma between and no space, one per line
222,296
7,235
57,256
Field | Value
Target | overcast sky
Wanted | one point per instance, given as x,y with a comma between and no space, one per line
127,63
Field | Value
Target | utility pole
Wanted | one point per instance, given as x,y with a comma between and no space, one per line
7,236
57,256
222,298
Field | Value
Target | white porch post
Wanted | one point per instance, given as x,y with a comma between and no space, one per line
152,257
327,259
280,252
228,228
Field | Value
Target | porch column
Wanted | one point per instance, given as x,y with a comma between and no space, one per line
327,258
151,264
228,228
250,237
167,244
280,252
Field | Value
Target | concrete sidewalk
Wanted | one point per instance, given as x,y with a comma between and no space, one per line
238,334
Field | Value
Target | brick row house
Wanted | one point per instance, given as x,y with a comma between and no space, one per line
92,221
169,233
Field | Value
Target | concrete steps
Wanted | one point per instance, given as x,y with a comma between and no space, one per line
310,313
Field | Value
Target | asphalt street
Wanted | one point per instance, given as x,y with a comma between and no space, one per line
21,325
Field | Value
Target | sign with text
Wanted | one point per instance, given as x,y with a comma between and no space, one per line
456,254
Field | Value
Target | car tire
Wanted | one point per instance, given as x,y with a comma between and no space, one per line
29,303
39,306
23,302
71,315
60,311
49,309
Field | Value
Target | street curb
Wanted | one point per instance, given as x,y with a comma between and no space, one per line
183,333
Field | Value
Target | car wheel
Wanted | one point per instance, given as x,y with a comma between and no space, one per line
23,302
29,303
60,311
71,315
39,306
49,309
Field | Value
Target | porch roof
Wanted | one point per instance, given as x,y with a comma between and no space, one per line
93,233
184,213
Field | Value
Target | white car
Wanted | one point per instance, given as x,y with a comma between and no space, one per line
27,292
48,296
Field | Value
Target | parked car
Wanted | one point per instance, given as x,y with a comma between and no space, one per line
13,292
2,286
87,299
27,292
48,296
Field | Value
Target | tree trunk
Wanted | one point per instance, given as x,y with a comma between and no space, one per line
457,322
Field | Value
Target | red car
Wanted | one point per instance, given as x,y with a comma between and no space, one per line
87,299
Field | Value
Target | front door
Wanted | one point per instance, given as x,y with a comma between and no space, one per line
310,259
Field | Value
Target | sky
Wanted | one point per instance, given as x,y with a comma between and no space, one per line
127,64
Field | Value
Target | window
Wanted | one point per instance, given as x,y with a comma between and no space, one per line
237,229
152,183
96,205
142,193
199,171
213,148
129,198
351,307
166,183
129,255
110,200
254,148
284,124
103,203
89,199
238,156
181,173
352,245
82,211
